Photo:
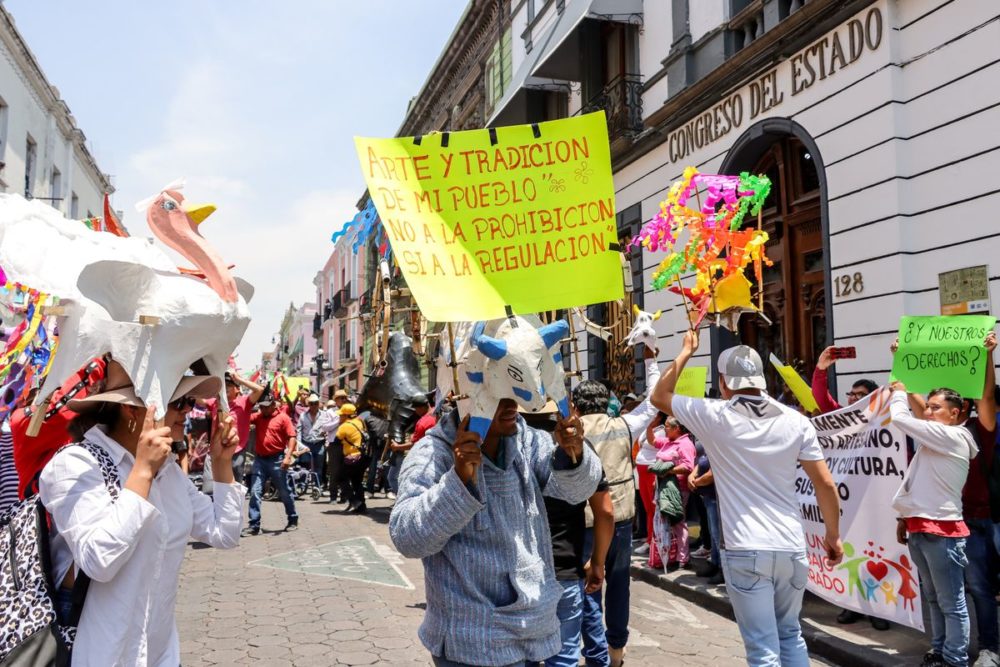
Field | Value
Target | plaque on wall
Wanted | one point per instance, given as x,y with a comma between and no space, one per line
965,291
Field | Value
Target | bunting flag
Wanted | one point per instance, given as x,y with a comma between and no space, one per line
111,222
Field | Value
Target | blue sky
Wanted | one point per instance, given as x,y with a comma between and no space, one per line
255,102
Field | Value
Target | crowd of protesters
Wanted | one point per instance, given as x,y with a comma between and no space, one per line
565,506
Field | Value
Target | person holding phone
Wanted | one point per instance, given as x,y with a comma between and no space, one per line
128,536
756,444
820,384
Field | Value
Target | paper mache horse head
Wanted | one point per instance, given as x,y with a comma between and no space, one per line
642,331
516,357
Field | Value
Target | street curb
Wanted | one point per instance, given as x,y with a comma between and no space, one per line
820,643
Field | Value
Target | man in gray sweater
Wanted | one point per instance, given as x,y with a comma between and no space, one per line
474,512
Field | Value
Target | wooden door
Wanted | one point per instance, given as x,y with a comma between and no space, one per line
794,288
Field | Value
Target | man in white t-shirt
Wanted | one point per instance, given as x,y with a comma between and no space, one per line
755,445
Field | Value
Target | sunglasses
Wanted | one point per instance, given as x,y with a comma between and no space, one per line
857,394
182,402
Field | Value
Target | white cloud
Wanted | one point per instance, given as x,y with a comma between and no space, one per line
277,245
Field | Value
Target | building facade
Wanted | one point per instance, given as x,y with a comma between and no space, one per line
43,154
302,344
337,326
875,120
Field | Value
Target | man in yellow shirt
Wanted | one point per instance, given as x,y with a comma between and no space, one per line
352,437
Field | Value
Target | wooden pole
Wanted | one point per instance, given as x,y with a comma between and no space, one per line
454,362
760,286
687,307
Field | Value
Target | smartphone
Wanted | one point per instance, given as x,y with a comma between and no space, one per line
844,353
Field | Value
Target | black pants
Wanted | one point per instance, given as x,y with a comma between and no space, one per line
339,485
355,476
372,481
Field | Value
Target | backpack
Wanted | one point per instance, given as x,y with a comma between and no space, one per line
31,633
365,446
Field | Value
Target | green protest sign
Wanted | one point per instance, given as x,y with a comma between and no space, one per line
943,352
692,382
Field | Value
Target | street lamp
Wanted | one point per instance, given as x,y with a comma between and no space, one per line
320,360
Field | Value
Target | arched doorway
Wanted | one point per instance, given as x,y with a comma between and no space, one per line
796,288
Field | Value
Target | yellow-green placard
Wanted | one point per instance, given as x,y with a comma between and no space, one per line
943,352
692,381
294,383
799,388
519,217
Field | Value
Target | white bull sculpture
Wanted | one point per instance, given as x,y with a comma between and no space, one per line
642,330
517,358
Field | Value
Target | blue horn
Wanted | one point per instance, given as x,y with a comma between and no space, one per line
553,333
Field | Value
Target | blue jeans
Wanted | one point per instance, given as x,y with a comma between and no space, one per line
570,613
941,562
269,467
765,589
616,598
317,452
712,510
980,574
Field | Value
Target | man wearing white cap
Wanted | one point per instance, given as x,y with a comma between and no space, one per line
755,445
310,438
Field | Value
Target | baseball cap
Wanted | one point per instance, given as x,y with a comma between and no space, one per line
742,368
348,409
313,398
420,399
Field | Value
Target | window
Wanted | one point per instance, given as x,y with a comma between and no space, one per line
30,157
74,206
55,188
498,70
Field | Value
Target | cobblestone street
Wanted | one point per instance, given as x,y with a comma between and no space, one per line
335,592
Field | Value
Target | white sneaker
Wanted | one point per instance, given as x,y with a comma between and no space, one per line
701,553
390,495
642,550
987,658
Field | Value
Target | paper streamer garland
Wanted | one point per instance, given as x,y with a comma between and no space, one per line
717,250
28,352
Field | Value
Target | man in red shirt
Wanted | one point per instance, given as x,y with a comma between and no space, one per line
240,407
275,444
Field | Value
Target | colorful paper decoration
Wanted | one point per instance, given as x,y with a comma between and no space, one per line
717,250
27,353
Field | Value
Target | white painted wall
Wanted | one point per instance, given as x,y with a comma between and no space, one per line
28,99
912,114
703,17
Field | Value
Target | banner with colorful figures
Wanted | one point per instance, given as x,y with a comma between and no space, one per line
867,458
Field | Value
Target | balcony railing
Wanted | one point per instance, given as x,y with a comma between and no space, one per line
340,301
621,101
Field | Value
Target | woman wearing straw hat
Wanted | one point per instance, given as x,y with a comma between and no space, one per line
128,536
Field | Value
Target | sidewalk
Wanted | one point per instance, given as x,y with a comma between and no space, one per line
857,645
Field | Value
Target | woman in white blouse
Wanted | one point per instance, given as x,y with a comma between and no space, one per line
132,547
